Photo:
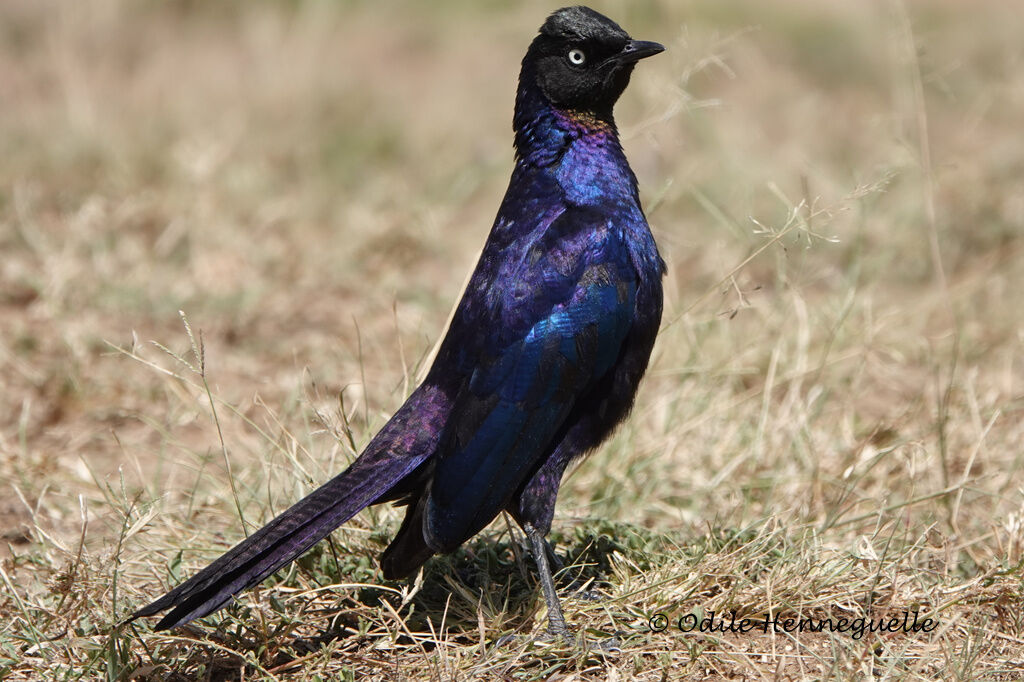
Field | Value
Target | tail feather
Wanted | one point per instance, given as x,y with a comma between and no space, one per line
404,443
409,550
277,543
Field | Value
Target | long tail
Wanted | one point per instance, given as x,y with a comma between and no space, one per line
404,442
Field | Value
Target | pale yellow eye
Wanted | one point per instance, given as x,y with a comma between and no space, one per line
576,57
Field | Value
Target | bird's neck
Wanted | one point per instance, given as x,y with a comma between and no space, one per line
543,131
578,150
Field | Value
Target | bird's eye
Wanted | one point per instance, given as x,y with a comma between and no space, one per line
576,56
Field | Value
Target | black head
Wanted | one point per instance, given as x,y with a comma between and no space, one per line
582,60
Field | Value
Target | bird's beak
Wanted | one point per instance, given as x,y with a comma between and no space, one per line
635,50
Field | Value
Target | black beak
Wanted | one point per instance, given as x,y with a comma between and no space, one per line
635,50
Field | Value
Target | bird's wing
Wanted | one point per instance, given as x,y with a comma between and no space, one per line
510,411
404,442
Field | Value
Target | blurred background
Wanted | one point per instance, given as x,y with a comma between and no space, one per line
836,188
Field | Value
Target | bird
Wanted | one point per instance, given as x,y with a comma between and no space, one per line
541,360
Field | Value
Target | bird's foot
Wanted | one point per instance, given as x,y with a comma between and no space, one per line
611,645
548,638
507,640
582,592
559,635
565,638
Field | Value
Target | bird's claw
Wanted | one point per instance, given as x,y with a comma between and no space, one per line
611,645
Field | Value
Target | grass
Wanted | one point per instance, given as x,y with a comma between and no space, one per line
831,426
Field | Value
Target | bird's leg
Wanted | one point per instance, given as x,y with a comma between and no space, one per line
540,547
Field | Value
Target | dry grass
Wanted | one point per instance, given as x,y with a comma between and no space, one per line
832,425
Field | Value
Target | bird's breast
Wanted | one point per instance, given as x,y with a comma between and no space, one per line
594,172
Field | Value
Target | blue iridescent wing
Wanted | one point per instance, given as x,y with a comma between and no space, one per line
505,420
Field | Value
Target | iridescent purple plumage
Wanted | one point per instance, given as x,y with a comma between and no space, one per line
543,356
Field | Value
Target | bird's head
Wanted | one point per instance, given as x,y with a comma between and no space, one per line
581,60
